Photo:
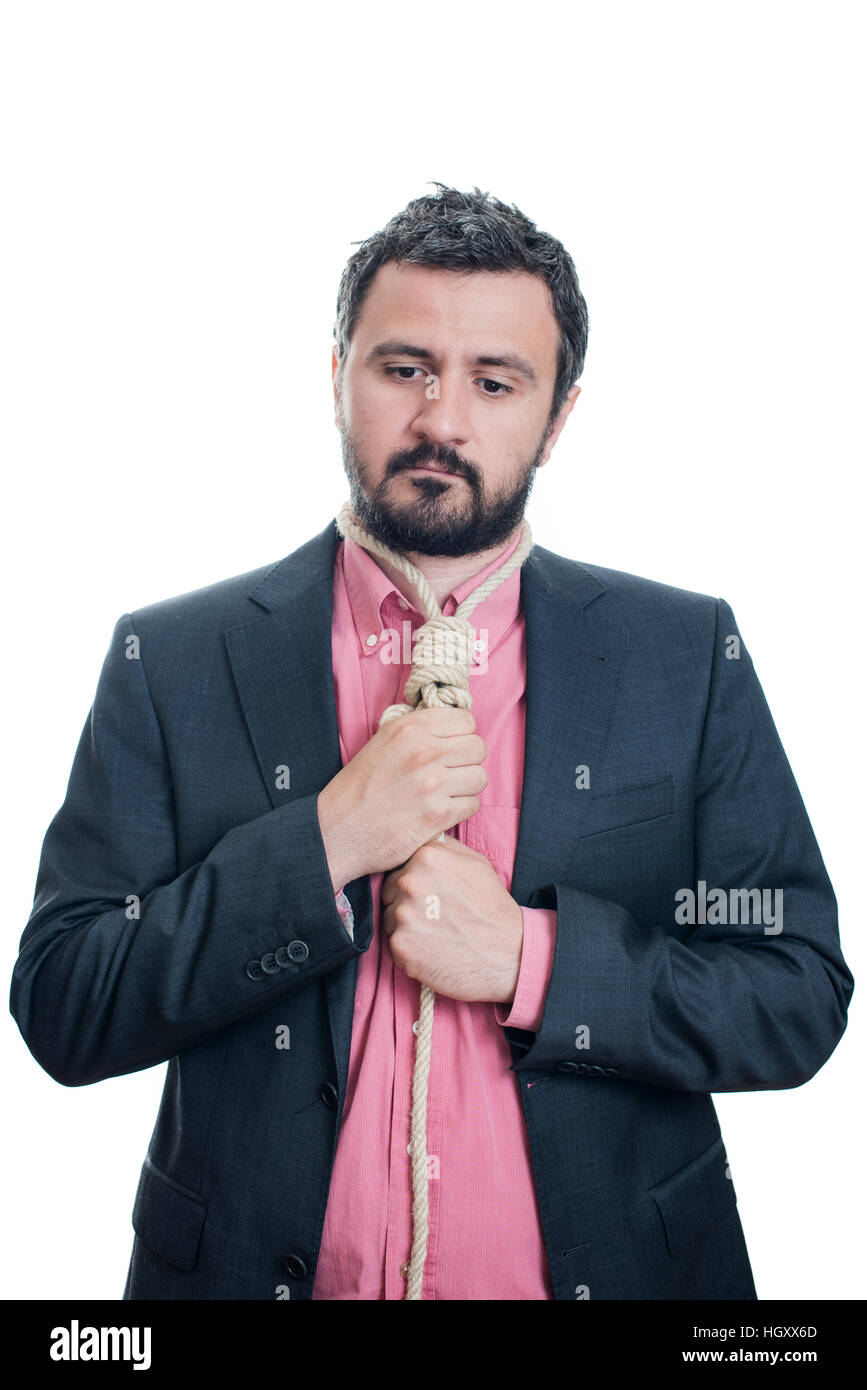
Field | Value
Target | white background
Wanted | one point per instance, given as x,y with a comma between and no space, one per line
182,184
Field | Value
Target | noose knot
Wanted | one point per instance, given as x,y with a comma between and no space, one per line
441,655
440,670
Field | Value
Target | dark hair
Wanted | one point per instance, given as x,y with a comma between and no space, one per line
471,231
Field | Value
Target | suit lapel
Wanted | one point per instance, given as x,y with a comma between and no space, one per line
281,662
574,660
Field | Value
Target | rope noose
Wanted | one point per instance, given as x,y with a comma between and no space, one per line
432,681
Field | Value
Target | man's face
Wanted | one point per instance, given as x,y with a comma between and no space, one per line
447,370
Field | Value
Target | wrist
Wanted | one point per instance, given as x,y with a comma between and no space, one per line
512,969
341,864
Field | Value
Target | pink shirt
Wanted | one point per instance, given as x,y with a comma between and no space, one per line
485,1235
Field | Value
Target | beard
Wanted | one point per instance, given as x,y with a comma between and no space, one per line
444,517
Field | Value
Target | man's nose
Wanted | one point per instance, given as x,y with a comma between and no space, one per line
443,416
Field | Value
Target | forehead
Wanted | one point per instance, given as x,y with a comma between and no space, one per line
478,310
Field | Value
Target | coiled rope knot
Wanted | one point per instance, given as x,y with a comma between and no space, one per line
440,673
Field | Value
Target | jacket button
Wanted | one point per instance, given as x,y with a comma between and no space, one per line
269,964
328,1095
595,1071
298,951
254,970
568,1066
611,1071
281,955
295,1265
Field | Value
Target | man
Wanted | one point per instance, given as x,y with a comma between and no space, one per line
249,877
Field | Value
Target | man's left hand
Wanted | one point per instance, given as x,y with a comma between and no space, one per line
452,925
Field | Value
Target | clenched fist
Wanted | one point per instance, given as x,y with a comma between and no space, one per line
451,923
419,774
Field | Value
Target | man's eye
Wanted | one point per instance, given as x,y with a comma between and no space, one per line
502,388
390,371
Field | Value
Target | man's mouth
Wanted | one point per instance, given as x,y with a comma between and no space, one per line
434,468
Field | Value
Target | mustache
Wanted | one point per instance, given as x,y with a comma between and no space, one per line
431,453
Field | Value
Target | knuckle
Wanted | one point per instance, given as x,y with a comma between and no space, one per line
430,782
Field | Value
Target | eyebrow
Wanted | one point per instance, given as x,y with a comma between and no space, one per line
510,360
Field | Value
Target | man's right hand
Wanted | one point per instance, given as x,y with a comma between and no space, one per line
419,774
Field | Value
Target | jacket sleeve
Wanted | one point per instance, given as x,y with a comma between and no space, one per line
710,1005
125,961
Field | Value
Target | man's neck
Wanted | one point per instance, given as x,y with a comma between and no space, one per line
443,572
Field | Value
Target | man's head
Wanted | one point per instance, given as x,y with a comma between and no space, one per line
460,333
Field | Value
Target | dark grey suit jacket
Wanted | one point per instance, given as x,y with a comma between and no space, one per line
184,911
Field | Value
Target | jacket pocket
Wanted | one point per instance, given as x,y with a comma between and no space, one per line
632,806
695,1197
168,1217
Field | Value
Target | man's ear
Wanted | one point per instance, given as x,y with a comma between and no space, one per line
565,411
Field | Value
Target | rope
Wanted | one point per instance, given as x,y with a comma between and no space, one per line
433,681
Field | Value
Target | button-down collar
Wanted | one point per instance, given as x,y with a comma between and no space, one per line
379,609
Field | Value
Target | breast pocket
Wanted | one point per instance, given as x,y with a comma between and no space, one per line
632,806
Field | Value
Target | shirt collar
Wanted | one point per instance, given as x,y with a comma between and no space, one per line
378,605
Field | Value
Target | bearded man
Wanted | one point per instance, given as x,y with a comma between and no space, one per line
256,875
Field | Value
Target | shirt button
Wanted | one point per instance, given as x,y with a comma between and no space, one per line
415,1027
409,1149
372,640
480,645
402,603
404,1270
